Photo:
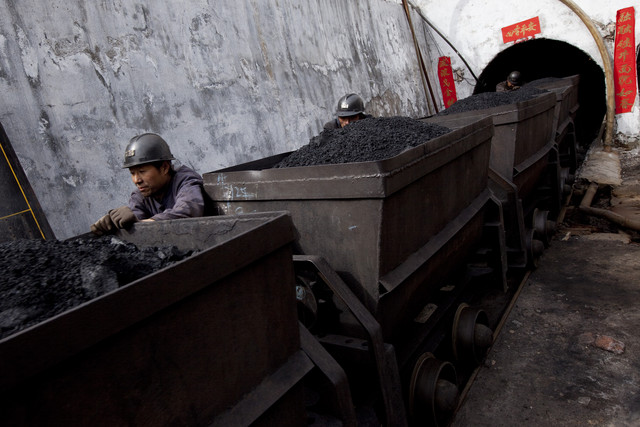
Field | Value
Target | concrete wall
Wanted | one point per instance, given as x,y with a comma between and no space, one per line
224,81
474,29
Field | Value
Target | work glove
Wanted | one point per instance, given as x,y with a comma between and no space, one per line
122,217
103,226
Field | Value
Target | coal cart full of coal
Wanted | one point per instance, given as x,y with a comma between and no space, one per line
565,113
525,169
383,261
212,339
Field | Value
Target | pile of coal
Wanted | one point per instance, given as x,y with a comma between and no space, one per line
43,278
371,139
486,100
543,81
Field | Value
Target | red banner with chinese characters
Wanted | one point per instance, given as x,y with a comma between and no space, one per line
445,75
521,30
624,70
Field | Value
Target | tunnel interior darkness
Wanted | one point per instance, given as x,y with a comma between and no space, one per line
540,58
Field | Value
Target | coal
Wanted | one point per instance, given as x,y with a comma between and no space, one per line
371,139
544,81
486,100
44,278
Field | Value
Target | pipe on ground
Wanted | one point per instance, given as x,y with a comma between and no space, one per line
585,206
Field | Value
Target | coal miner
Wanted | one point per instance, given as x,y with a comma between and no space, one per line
350,109
513,82
162,191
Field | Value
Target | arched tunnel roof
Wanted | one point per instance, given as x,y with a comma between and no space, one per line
541,58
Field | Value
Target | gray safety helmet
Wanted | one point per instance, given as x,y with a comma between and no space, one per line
515,78
350,105
146,148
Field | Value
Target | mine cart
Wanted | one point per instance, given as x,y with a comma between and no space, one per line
211,339
567,105
524,170
387,238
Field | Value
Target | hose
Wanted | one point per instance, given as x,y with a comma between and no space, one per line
424,18
608,70
425,76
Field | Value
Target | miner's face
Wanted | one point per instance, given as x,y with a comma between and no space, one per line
346,120
150,179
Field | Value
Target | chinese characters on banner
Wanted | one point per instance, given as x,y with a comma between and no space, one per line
624,71
445,75
521,30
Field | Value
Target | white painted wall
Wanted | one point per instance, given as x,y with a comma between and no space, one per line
474,28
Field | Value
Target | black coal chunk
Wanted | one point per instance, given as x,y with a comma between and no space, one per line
44,278
371,139
544,81
486,100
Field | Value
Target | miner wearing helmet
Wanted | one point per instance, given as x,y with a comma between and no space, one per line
350,109
162,191
513,82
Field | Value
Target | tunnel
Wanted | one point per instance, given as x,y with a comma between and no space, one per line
541,58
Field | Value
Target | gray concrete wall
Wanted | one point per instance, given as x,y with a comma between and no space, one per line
224,82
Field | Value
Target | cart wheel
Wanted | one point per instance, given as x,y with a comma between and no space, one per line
543,227
434,394
535,248
471,335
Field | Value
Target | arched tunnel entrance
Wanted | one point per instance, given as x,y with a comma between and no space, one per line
540,58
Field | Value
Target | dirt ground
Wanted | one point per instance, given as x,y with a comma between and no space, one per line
568,353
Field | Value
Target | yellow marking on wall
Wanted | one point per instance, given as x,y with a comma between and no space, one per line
23,195
14,214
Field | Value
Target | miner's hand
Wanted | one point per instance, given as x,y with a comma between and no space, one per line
122,217
103,226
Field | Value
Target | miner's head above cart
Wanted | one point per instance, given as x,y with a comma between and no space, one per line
350,109
162,192
146,148
514,78
148,155
513,82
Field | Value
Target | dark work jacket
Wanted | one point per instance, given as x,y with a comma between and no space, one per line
332,124
182,199
502,87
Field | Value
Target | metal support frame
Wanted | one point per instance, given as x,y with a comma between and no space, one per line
385,361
